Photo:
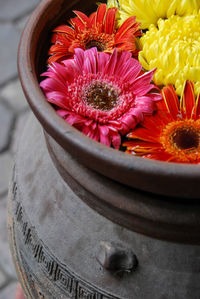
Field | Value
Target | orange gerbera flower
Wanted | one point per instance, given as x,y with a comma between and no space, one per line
96,31
172,134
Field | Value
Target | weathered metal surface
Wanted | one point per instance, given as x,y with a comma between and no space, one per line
115,257
149,214
56,238
179,180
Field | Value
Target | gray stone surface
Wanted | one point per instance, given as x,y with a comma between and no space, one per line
6,163
6,122
13,16
11,10
9,291
14,96
20,24
20,123
9,38
3,278
5,256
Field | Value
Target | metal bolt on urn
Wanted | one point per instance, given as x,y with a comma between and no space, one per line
81,213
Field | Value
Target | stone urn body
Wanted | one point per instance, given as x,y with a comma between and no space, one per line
88,221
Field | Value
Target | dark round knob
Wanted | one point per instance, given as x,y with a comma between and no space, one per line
116,257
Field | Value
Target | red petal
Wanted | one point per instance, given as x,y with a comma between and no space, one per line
197,108
153,123
143,134
100,14
64,29
57,57
162,156
109,23
130,26
171,100
58,49
80,22
82,17
188,99
92,19
131,145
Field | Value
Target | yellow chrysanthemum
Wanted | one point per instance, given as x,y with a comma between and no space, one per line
174,49
148,12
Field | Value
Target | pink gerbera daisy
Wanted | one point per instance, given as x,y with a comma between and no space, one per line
102,95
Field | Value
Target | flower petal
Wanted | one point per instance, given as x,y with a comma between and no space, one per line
100,14
171,100
142,84
109,22
188,99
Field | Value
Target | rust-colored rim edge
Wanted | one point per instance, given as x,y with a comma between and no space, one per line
169,179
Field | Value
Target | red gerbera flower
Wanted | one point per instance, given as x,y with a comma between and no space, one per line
100,94
96,31
172,134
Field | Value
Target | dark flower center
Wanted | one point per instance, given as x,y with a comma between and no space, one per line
94,43
101,96
185,138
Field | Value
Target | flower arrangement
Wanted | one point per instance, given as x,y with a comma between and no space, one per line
128,76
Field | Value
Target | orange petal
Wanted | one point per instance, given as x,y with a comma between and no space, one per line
82,17
129,25
197,108
100,15
80,22
171,100
161,156
58,49
64,29
57,58
153,123
92,19
188,99
109,22
143,134
132,144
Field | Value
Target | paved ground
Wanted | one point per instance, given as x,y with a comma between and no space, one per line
13,110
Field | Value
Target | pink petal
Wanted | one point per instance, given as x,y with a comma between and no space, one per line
62,113
132,73
92,56
137,112
79,58
155,96
142,84
104,130
87,68
104,138
146,104
73,119
102,61
129,120
116,140
96,135
110,67
58,99
53,85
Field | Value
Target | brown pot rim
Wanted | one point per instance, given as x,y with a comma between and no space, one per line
171,179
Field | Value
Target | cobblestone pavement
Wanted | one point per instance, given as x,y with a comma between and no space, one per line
13,110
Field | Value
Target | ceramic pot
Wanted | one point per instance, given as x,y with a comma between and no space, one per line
88,221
